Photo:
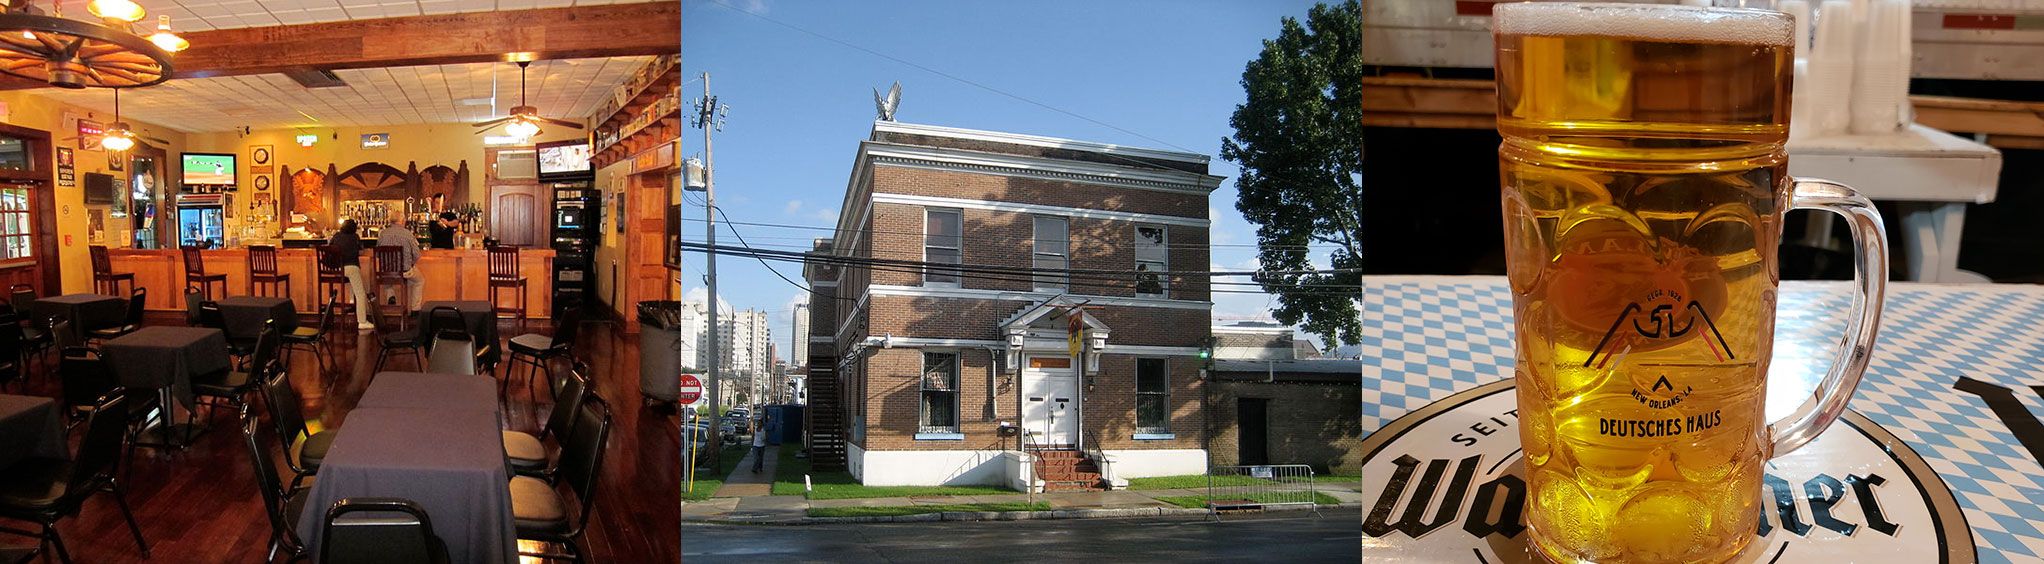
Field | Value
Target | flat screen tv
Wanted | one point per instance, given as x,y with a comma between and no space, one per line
564,158
208,169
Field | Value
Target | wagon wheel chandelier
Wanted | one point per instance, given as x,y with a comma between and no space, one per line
70,53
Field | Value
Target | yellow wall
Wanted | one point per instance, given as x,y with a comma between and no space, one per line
443,144
610,251
44,109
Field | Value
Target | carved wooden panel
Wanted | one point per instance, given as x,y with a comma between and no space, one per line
306,193
373,181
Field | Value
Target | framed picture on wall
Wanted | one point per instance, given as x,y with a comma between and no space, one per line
619,218
113,162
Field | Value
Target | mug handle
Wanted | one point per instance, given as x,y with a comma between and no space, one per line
1870,280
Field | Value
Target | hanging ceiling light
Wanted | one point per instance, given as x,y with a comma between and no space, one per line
117,138
166,40
123,10
72,53
522,129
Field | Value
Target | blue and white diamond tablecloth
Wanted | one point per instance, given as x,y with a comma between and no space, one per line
1428,337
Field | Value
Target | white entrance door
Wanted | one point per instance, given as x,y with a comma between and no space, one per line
1050,401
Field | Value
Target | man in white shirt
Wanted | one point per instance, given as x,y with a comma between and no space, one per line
414,284
759,442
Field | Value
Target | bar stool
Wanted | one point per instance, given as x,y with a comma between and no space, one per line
332,280
390,271
262,271
504,274
104,280
196,277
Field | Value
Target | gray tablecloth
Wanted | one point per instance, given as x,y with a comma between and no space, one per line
449,461
86,311
482,324
154,357
31,427
245,315
431,391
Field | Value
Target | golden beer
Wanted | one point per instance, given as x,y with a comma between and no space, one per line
1644,181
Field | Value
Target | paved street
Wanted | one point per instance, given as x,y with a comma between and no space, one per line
1286,537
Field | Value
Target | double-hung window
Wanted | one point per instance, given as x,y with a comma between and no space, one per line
1153,397
939,412
1052,254
1153,260
941,244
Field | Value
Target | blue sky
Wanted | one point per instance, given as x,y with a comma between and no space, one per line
1166,72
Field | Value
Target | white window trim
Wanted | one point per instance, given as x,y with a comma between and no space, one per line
1155,436
957,399
1033,253
960,248
1163,278
1166,428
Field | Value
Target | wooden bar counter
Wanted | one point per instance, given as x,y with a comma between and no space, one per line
450,274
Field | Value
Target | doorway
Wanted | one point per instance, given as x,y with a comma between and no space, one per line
517,207
1050,401
28,211
1253,427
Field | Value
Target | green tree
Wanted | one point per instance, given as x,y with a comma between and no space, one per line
1299,141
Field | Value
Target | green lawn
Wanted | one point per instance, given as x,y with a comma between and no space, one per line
706,482
920,509
839,484
1200,502
1195,481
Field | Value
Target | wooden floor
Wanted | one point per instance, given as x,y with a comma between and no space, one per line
202,505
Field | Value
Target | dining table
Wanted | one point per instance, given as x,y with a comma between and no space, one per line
434,439
86,311
165,359
31,427
245,315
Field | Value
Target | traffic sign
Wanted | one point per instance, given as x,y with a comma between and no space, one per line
691,389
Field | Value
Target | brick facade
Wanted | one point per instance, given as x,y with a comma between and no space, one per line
1314,423
882,387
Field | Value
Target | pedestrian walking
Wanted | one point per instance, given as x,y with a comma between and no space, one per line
758,444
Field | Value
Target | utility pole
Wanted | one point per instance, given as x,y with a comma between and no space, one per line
710,118
795,337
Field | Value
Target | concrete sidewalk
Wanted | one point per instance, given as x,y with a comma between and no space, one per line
793,509
743,482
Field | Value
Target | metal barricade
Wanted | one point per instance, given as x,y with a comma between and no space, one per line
1257,487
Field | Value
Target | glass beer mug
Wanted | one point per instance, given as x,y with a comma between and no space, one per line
1644,179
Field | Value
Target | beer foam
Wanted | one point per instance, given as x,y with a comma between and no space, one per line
1650,22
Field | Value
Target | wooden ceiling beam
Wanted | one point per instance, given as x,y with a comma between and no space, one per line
618,30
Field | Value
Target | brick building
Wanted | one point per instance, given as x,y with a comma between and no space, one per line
1274,401
921,374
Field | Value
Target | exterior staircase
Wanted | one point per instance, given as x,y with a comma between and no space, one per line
826,422
1067,470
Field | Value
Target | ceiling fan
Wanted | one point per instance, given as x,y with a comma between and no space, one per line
119,136
524,120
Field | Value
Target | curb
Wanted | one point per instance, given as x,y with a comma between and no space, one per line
1118,513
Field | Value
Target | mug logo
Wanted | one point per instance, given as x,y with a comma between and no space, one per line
1663,322
1443,484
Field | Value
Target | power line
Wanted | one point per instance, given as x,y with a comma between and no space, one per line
1006,274
963,237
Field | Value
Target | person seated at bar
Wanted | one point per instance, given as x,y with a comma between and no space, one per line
415,286
443,231
345,251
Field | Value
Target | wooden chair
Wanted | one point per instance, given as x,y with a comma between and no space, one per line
332,281
104,280
390,271
196,276
504,276
262,272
